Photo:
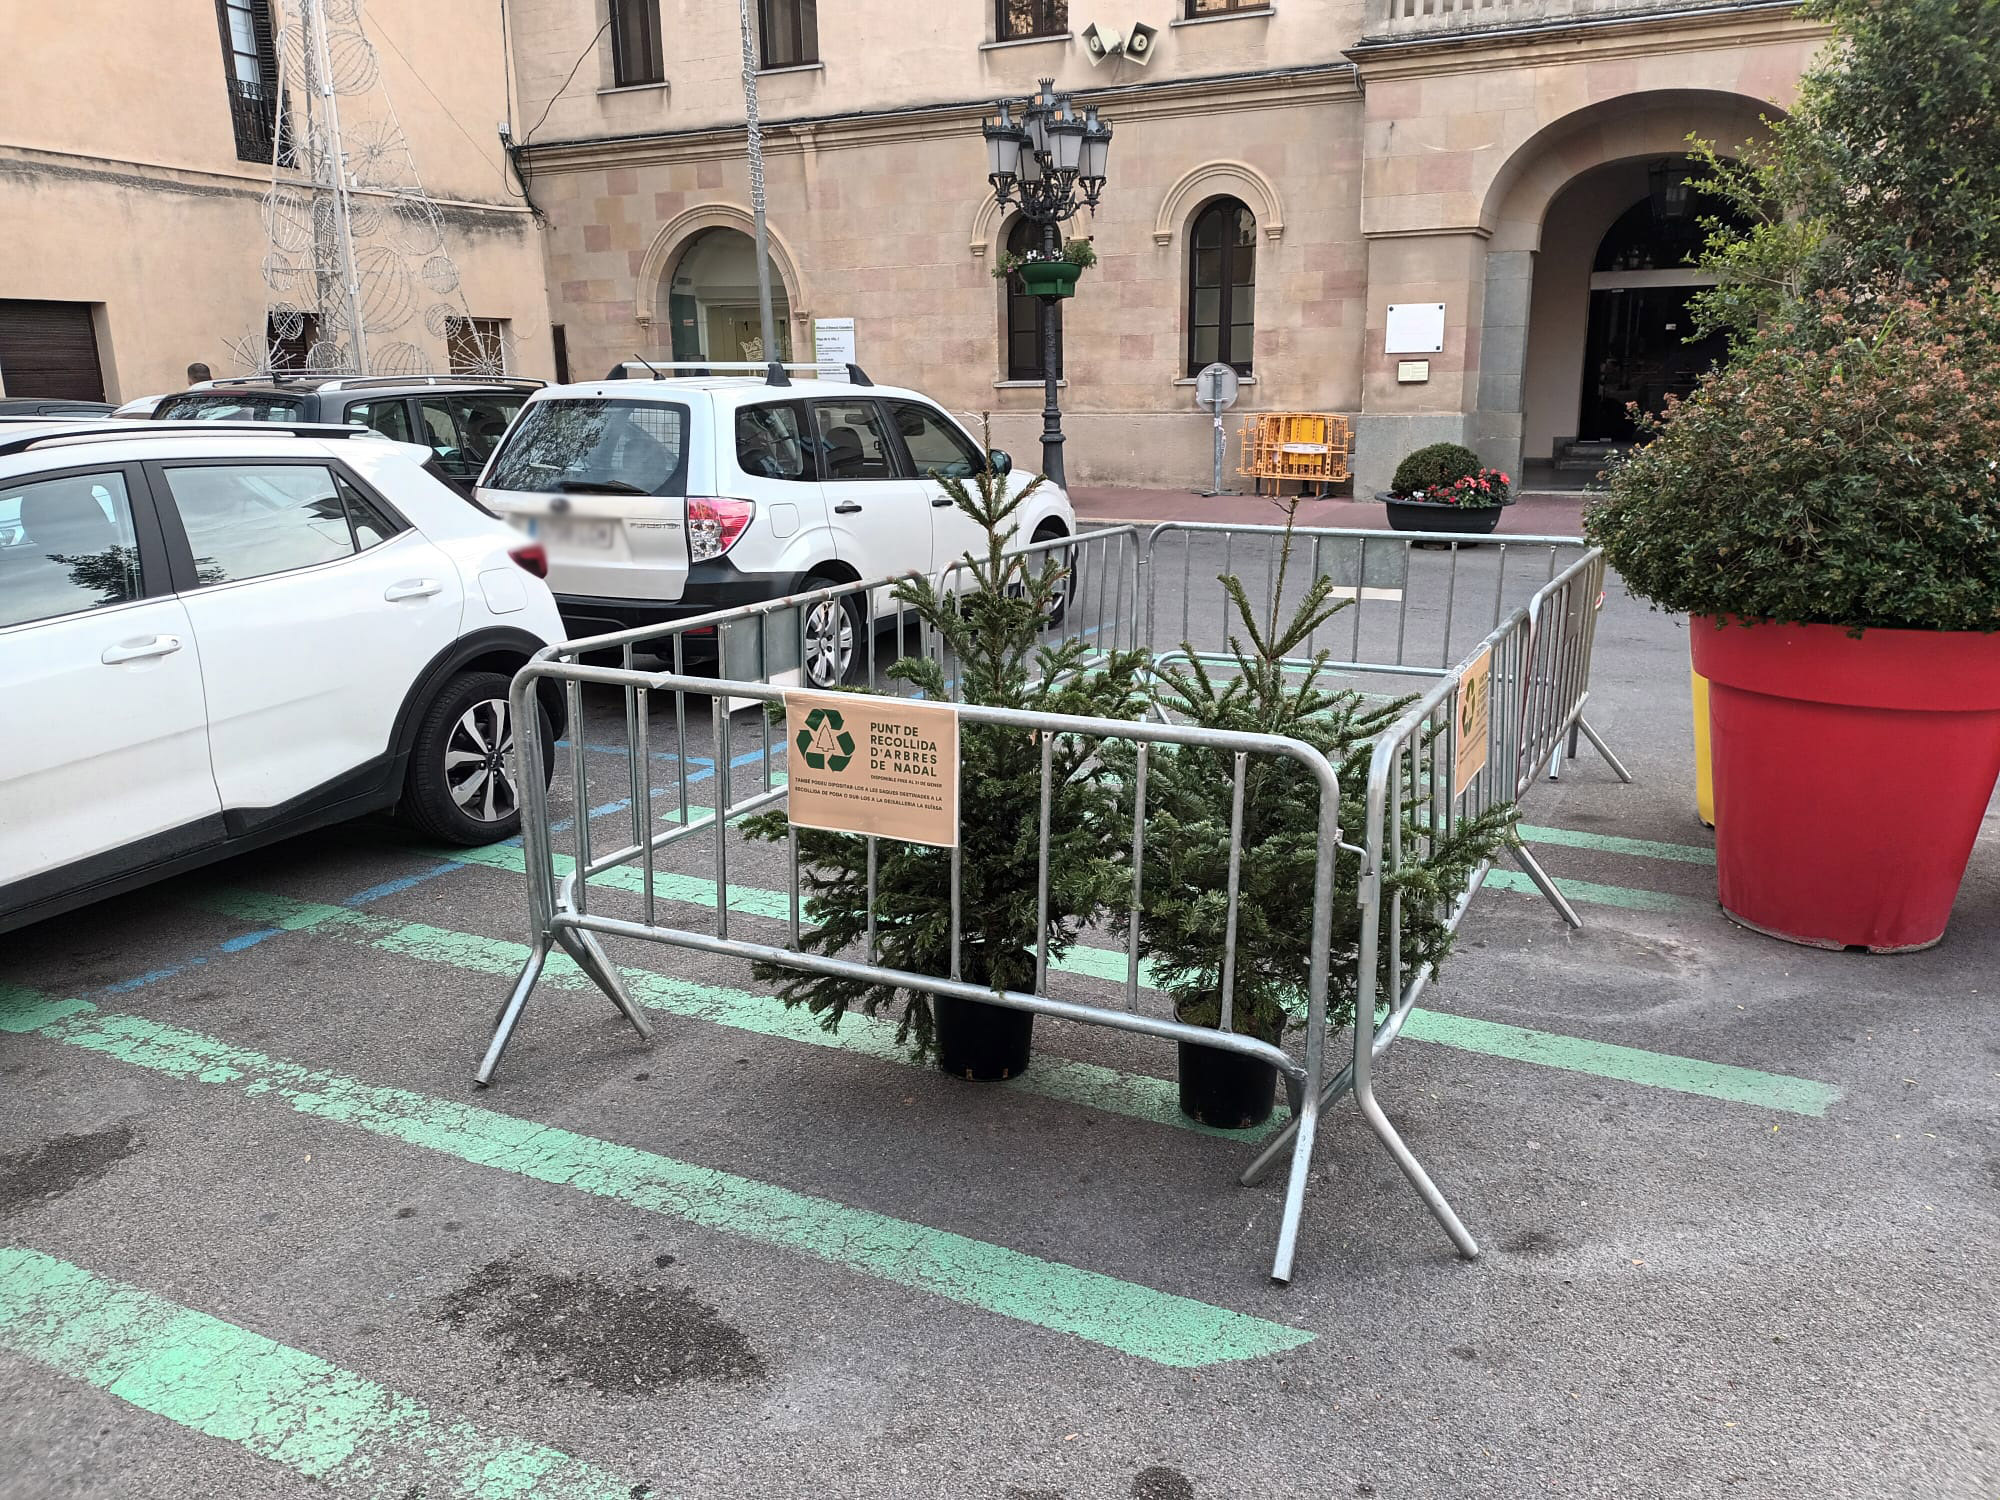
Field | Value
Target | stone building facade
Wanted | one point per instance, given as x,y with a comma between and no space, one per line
1357,154
133,177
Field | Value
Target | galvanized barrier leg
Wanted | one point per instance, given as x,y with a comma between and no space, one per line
596,964
1364,1095
1545,885
1306,1124
510,1013
1597,744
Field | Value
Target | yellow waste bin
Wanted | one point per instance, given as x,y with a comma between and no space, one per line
1704,776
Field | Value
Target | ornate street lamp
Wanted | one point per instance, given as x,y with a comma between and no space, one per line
1050,161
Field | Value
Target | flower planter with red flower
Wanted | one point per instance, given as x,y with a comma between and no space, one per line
1444,489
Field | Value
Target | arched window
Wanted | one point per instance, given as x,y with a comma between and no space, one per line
1025,314
1222,286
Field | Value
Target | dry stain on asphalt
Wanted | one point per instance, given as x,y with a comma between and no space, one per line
629,1338
61,1166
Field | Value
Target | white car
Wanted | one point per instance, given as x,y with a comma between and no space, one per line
662,498
211,638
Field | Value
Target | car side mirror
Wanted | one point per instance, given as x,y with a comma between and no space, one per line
1000,462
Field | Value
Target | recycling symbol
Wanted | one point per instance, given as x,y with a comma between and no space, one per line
825,742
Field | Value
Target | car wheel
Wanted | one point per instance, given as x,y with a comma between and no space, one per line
1050,531
462,786
836,653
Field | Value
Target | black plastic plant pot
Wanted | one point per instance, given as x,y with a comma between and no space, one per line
1435,516
1226,1090
983,1043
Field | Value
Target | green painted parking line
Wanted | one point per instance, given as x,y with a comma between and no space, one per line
1658,1070
327,1425
1156,1326
1611,843
1626,897
1137,1095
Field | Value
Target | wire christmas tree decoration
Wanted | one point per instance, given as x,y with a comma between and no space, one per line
361,279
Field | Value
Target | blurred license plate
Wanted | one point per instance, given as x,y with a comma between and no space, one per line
567,533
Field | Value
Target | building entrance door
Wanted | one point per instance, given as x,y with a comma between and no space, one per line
1638,351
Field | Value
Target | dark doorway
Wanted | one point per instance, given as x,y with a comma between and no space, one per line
1637,351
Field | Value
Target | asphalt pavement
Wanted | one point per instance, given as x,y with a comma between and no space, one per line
1736,1199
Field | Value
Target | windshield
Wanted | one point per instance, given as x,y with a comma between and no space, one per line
597,446
229,406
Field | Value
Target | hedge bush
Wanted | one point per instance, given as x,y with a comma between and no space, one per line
1843,470
1433,468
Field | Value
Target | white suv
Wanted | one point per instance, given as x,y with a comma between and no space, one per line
212,637
663,498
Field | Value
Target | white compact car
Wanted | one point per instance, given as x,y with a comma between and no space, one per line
662,498
212,637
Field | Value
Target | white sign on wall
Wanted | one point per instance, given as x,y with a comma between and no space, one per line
833,346
1415,328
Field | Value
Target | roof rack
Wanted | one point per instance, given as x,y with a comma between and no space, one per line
363,382
110,429
773,371
276,377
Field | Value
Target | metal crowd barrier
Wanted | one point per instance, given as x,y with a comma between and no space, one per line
1530,662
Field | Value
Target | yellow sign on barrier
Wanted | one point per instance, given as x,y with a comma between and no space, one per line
1475,719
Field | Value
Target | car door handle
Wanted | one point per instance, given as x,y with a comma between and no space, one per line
943,502
412,588
159,645
846,508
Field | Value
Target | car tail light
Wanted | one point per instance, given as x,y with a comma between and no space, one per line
532,557
714,526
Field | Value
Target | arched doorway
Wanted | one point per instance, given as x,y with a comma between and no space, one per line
711,301
1608,321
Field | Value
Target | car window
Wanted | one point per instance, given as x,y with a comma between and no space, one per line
441,432
66,545
390,418
769,444
851,442
372,524
595,445
225,406
252,520
483,419
935,445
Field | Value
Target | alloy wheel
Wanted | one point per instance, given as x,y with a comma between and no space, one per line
829,643
479,762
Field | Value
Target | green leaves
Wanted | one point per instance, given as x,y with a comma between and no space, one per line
1840,471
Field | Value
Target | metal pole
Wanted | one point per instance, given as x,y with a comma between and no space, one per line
312,23
1052,433
1216,407
754,140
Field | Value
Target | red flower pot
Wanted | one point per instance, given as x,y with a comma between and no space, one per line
1850,776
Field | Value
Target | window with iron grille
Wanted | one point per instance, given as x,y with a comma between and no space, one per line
635,43
1222,286
289,338
250,70
1196,9
1027,315
476,346
789,32
1019,19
